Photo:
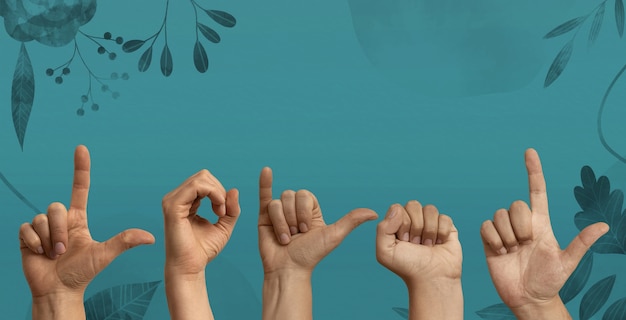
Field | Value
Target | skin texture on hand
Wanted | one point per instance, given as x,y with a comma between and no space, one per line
422,247
59,257
526,263
293,239
191,242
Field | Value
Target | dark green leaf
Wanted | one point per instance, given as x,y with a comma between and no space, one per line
577,281
596,297
132,45
403,312
209,33
617,311
22,94
119,302
223,18
596,25
200,58
145,60
167,65
619,17
588,177
496,312
559,63
565,27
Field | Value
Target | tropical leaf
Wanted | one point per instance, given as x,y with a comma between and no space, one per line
565,27
209,33
132,45
577,281
596,25
223,18
617,311
596,297
600,204
496,312
559,63
403,312
200,58
22,94
619,17
167,65
145,60
123,302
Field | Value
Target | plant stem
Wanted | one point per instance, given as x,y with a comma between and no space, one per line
600,134
18,194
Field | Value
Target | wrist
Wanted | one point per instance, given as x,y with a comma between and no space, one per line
553,309
59,305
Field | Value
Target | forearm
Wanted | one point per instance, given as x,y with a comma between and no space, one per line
187,296
436,300
550,310
287,296
59,307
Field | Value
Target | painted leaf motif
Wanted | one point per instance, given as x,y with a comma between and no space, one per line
596,25
496,312
167,65
128,301
200,58
596,297
577,281
209,33
403,312
22,94
619,17
565,27
223,18
617,311
587,177
559,63
132,45
145,60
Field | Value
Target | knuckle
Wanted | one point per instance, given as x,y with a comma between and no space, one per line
500,214
40,219
288,194
518,205
55,206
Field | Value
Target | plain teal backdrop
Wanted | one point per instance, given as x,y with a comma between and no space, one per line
365,104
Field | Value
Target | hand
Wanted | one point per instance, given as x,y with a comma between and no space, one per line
433,253
58,254
292,232
527,265
191,241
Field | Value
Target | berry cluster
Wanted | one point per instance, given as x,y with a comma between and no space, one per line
109,37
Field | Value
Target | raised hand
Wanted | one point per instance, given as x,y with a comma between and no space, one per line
422,247
192,241
59,257
527,265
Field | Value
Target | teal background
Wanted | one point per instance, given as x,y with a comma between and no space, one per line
293,86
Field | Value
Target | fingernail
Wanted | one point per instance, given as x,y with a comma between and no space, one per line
284,238
59,248
293,230
514,248
439,241
393,212
417,240
303,227
40,250
502,250
405,237
428,242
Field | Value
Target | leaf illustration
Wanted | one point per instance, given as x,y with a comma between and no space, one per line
145,60
596,25
167,65
596,297
22,94
619,17
223,18
209,33
565,27
577,281
600,204
559,63
200,58
617,311
496,312
128,301
132,45
403,312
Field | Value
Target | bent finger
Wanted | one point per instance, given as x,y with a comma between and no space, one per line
57,220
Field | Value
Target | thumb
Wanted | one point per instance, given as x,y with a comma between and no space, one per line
349,222
123,241
227,221
583,241
386,230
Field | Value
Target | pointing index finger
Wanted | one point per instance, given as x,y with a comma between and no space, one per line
536,183
80,187
265,191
